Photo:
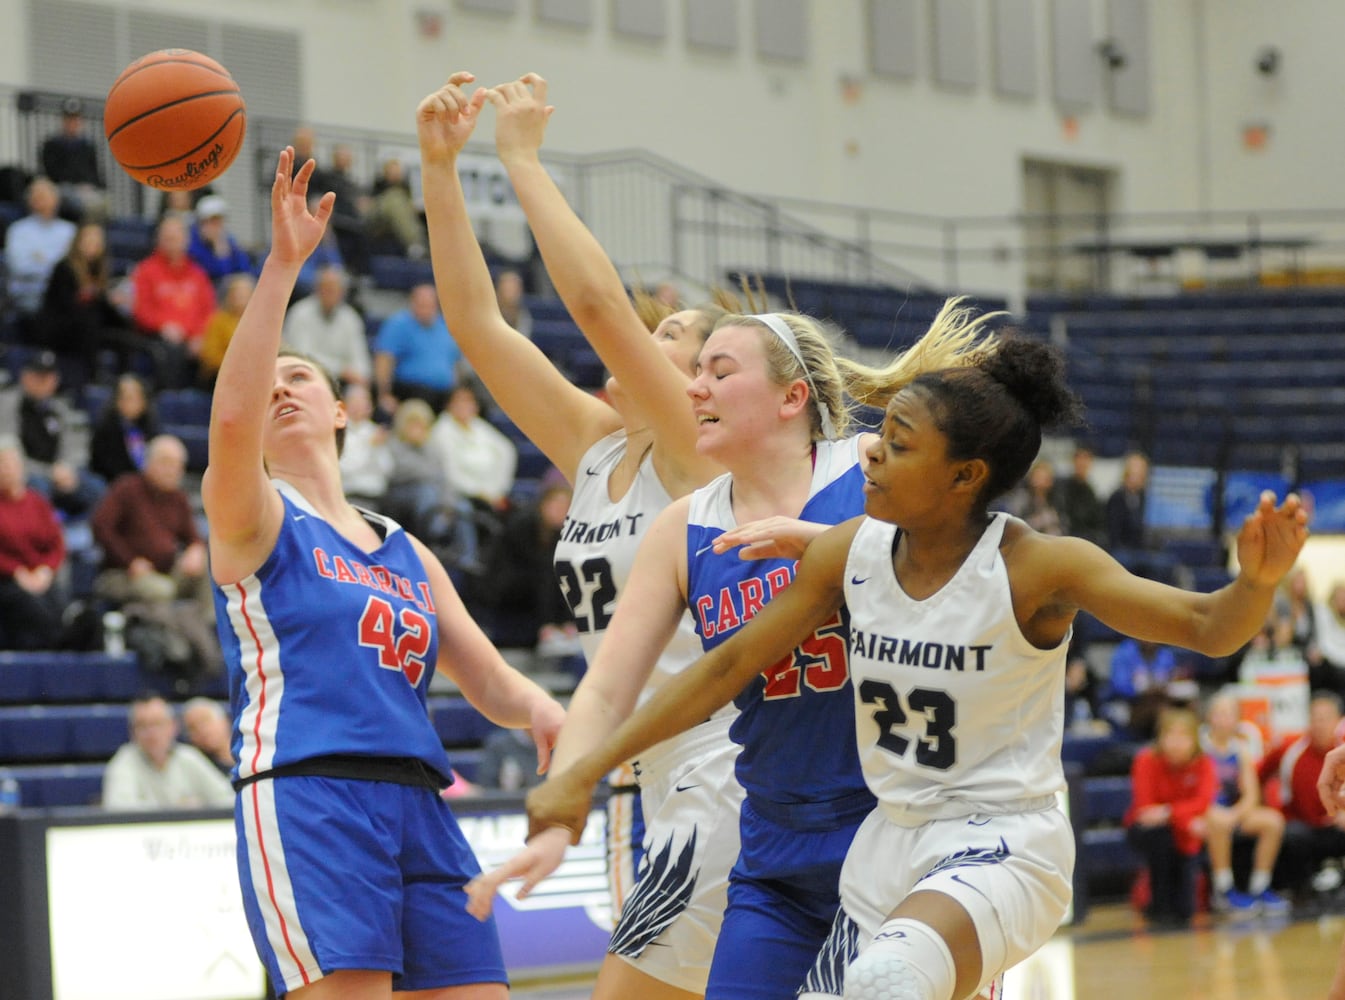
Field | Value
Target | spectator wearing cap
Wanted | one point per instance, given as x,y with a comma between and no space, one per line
212,245
70,159
53,435
33,245
173,300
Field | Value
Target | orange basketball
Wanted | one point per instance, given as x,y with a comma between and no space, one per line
175,119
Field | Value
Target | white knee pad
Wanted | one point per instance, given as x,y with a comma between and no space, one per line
905,961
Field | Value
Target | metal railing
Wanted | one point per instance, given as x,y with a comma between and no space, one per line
659,221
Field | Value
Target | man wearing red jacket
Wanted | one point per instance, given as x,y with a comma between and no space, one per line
32,549
1173,785
173,300
1311,835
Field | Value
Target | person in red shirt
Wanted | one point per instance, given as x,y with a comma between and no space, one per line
1173,785
32,549
1312,834
173,300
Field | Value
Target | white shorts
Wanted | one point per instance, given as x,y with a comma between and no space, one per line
691,801
1012,873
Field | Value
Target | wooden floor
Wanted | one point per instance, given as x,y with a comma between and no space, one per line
1112,956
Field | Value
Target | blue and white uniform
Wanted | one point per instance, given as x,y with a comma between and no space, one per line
959,722
347,856
805,793
671,893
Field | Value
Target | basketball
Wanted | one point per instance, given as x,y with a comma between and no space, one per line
175,119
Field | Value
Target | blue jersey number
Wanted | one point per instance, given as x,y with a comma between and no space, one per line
938,748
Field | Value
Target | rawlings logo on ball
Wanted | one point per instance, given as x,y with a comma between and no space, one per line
206,166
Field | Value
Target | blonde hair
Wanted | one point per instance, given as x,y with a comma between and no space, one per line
409,410
1179,718
957,338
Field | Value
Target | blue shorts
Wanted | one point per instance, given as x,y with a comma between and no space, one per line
346,874
783,896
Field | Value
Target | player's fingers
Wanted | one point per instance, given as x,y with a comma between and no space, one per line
543,755
530,880
460,77
480,898
538,84
325,206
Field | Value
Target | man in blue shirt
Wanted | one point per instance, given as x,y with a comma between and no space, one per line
414,354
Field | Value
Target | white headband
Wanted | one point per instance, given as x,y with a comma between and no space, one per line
781,329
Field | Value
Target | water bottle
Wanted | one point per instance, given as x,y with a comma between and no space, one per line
114,633
9,794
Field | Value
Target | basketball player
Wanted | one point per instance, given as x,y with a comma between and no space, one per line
959,625
769,400
332,620
1331,789
626,460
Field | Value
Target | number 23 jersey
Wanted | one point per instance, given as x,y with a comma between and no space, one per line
956,712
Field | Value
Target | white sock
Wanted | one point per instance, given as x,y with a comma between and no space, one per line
1223,880
1260,882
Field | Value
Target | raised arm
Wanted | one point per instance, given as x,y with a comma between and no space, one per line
561,419
242,507
1077,574
591,288
706,686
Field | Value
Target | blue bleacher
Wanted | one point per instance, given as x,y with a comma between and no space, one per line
54,677
458,723
61,732
48,786
399,273
196,437
183,406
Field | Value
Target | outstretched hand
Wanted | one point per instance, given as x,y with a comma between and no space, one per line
1331,781
769,538
521,114
542,855
295,231
446,119
547,718
1271,539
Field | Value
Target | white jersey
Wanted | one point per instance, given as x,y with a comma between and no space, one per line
956,712
597,549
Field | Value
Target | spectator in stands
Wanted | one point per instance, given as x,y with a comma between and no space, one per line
508,761
173,300
414,354
79,315
417,494
155,771
212,246
1172,788
352,202
1083,694
53,434
1237,813
70,159
1126,505
1032,502
1074,497
519,584
366,461
1329,620
1137,691
220,327
153,556
393,220
181,205
509,294
480,459
327,328
123,429
33,245
1294,604
32,549
1311,833
208,730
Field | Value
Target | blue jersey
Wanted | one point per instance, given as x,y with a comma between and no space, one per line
797,720
330,648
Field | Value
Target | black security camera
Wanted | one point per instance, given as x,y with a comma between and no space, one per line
1268,61
1111,54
